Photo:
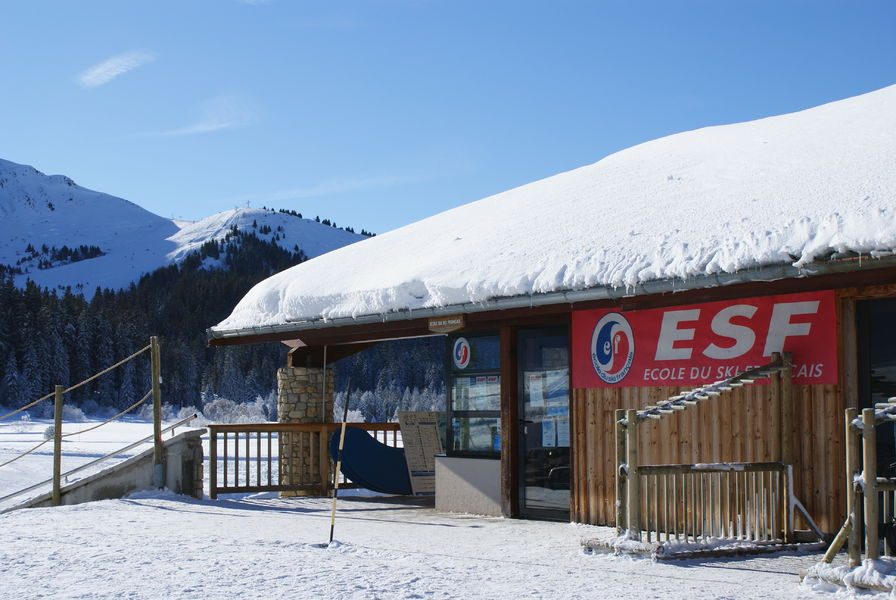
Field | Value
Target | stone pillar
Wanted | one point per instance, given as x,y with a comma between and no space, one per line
300,400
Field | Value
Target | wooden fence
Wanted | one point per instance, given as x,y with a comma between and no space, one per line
738,501
279,457
870,500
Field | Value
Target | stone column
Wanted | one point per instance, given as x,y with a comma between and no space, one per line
300,399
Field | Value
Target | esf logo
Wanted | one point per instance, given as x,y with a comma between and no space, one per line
461,353
612,348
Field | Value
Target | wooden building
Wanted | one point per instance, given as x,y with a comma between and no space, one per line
535,378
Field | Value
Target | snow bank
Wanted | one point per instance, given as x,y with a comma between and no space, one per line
782,190
878,575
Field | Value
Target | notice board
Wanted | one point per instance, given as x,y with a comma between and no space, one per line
421,440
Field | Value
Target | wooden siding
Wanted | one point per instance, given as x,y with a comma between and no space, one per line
740,426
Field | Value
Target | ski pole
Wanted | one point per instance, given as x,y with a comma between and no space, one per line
339,460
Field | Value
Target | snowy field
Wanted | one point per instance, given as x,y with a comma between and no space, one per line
18,437
162,546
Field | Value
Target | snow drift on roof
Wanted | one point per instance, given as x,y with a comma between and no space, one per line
786,189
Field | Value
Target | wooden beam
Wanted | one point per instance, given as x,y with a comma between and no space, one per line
869,458
621,524
313,356
633,492
785,395
57,444
213,464
510,424
849,353
853,499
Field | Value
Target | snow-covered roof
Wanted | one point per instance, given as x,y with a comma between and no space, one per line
790,189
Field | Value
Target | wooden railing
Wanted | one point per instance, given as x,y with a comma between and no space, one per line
694,503
279,457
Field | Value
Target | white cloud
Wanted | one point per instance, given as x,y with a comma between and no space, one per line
104,72
335,187
222,112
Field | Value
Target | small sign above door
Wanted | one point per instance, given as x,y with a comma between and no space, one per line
447,324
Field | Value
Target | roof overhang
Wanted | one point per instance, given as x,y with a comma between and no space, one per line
840,272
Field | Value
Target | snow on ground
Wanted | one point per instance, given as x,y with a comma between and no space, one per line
158,545
783,190
162,546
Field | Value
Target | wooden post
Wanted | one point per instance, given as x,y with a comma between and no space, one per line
621,524
158,474
213,463
57,446
511,427
786,400
633,491
838,542
869,458
324,457
853,498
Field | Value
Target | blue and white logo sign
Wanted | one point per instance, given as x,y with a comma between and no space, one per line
461,353
612,348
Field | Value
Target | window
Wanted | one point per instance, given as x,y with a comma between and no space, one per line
474,401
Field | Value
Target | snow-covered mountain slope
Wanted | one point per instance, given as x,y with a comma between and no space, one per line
41,214
53,211
285,230
784,190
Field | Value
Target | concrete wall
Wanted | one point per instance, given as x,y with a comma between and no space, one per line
468,485
183,458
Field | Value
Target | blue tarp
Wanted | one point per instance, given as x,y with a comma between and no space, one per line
371,464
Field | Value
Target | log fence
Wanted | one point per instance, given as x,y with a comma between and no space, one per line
870,500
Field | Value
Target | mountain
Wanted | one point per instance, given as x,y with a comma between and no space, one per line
59,234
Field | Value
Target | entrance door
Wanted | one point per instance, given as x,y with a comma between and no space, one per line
876,329
543,357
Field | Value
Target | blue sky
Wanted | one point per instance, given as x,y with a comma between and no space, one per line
378,113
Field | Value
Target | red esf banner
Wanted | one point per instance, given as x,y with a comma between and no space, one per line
703,343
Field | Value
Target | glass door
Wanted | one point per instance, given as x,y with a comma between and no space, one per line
544,423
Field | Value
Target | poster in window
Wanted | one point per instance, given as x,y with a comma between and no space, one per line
535,389
548,433
563,432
